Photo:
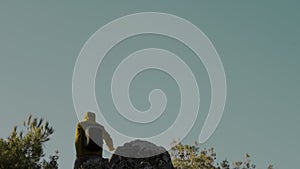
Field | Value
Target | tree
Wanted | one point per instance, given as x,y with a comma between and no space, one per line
26,149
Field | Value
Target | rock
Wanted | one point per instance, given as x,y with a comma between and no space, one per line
140,154
96,163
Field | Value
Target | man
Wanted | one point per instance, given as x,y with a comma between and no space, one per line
89,139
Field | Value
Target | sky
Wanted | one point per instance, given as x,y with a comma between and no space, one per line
257,41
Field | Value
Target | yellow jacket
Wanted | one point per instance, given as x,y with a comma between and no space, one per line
89,120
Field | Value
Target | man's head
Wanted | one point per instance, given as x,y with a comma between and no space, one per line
89,116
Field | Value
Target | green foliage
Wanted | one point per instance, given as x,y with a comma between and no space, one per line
24,150
190,157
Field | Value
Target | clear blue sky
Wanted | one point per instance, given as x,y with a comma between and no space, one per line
258,42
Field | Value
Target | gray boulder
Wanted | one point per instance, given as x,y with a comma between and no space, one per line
140,154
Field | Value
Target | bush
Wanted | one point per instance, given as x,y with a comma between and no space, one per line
190,157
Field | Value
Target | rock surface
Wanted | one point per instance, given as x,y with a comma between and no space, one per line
137,154
140,154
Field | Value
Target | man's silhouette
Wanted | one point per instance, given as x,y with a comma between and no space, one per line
89,140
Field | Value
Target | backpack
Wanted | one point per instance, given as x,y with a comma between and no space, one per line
93,138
